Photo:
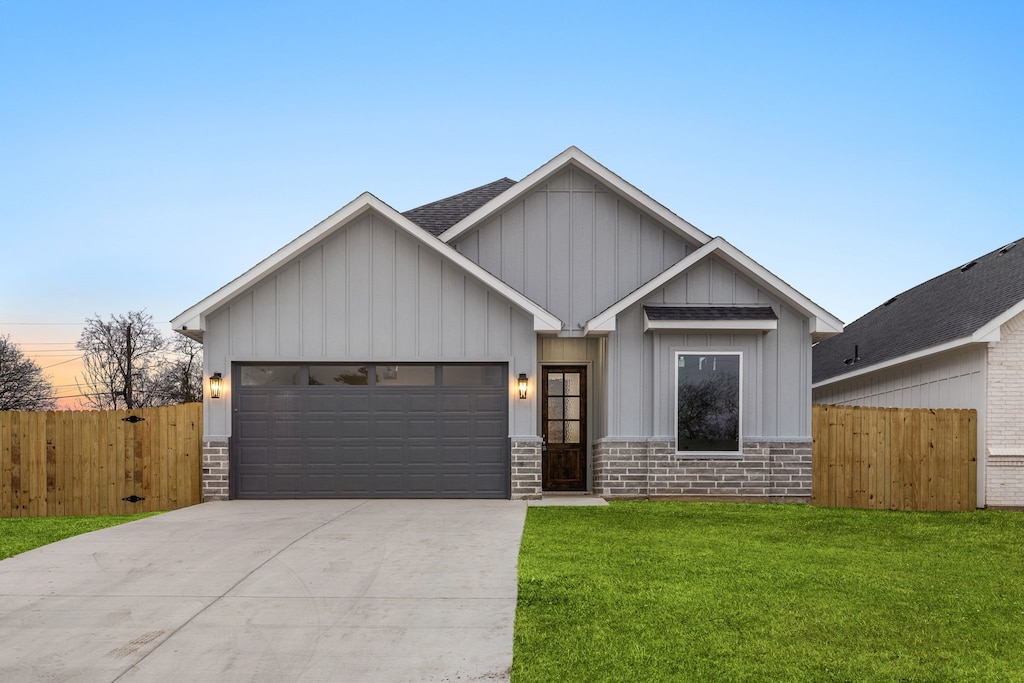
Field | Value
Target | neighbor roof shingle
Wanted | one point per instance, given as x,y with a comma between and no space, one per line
951,306
436,217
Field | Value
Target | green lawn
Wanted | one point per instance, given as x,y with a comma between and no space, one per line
18,534
649,591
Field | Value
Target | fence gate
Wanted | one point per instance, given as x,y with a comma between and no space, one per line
894,458
100,462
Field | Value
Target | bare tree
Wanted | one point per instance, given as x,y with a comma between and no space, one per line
180,378
23,386
121,357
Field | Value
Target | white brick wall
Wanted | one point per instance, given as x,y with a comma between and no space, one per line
1005,417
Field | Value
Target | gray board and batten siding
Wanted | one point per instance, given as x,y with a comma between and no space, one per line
576,248
573,246
370,292
776,366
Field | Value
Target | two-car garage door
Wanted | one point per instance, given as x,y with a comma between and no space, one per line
370,431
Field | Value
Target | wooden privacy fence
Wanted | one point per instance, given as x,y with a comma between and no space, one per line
95,462
894,458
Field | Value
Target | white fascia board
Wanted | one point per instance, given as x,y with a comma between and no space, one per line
899,360
605,320
822,323
574,155
990,331
198,311
711,325
543,319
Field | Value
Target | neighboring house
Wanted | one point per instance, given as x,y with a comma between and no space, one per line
955,341
561,333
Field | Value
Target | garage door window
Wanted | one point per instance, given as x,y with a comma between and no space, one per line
271,375
351,375
406,376
399,375
472,375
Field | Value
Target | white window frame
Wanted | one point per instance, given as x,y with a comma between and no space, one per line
675,403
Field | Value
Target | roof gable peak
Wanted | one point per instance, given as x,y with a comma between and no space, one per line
576,157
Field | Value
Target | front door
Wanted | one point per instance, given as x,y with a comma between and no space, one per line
564,419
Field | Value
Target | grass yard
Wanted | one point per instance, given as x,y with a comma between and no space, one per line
655,591
18,534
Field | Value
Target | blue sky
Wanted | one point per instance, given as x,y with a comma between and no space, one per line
150,152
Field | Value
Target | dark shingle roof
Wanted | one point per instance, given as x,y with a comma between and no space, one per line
436,217
710,313
951,306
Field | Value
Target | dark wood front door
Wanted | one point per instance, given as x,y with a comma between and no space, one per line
564,416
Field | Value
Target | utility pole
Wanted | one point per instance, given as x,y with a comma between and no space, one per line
128,365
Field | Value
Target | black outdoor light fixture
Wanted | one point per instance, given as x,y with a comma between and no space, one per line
215,384
522,384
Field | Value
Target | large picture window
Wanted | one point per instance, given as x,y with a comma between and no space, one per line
708,402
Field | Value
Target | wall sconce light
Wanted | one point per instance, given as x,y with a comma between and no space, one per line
522,385
215,385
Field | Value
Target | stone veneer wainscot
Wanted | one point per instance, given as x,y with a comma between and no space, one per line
649,468
215,469
526,468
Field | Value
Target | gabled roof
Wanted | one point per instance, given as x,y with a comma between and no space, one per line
192,322
964,305
436,217
576,157
822,323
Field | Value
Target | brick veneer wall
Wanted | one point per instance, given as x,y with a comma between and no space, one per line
526,472
650,468
1004,424
215,469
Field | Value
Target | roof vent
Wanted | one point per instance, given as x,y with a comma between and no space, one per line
1008,247
856,356
967,266
890,301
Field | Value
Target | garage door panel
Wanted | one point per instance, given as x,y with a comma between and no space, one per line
255,456
461,402
285,484
422,454
354,453
320,428
422,428
321,456
254,427
425,402
352,403
321,485
389,454
489,429
494,402
366,441
455,429
354,485
353,428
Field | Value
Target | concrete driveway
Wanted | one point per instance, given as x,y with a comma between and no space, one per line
348,590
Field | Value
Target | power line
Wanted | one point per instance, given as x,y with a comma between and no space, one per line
67,343
70,360
78,323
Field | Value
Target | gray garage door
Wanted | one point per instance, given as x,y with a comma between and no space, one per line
370,431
